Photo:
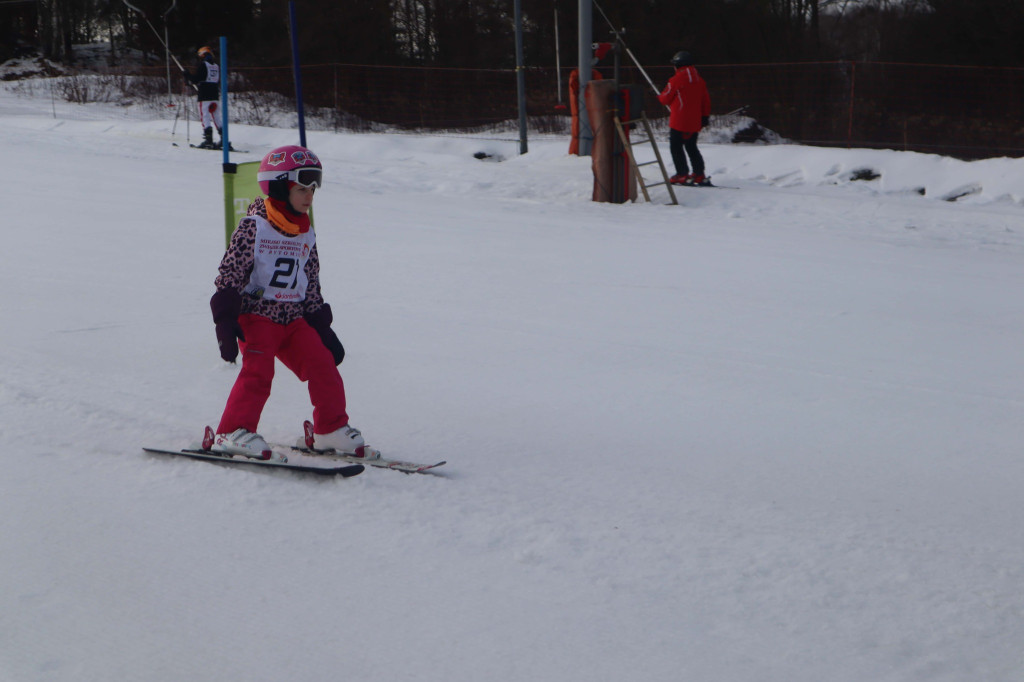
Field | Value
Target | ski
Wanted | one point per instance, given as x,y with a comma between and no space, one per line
202,451
705,185
304,446
377,462
219,149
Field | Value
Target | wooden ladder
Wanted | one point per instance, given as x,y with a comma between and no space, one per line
628,145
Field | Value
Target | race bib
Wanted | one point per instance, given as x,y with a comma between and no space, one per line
212,73
279,264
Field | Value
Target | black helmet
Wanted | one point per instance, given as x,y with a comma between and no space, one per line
682,58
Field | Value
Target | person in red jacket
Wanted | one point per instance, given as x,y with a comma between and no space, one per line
686,96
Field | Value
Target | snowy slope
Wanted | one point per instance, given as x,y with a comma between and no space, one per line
772,434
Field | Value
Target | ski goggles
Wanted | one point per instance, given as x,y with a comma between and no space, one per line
307,177
304,177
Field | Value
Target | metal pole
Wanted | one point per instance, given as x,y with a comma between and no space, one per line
628,51
155,32
620,161
558,64
224,98
520,76
167,60
167,48
849,124
584,52
297,72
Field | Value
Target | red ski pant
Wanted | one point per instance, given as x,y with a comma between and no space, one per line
300,349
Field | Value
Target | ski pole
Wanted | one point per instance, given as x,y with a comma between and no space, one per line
184,103
174,128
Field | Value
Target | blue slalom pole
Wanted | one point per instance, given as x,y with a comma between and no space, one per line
298,74
224,97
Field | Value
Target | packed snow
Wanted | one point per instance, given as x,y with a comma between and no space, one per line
771,434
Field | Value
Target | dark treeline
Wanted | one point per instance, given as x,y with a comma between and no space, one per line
478,33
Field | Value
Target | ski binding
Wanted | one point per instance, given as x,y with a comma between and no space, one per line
369,456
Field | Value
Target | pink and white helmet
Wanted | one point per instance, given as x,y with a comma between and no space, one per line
289,164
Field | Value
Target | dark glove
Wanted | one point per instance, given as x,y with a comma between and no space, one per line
321,322
704,120
226,304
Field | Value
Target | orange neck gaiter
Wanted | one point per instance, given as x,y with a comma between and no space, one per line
284,219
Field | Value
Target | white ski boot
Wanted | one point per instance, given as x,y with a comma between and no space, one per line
347,441
245,443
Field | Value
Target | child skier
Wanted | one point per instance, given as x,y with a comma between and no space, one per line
268,297
206,78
